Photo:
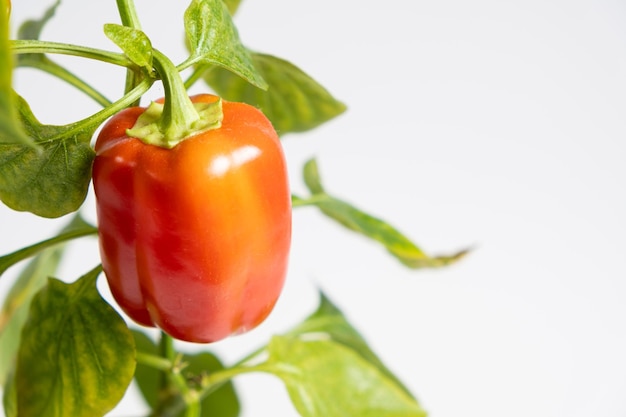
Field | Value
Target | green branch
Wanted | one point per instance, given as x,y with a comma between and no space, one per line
98,118
128,15
11,259
42,63
176,379
45,47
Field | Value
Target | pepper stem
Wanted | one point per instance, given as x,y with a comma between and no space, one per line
178,111
178,118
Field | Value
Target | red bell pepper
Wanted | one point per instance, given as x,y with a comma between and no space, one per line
194,239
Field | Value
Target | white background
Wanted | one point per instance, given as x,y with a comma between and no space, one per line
496,125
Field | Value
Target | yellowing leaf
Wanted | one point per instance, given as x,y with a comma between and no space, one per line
77,356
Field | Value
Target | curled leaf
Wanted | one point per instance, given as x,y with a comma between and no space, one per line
396,243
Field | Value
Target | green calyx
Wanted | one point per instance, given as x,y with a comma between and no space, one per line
149,126
178,118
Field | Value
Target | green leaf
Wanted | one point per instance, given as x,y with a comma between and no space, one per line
135,43
294,101
330,371
10,129
14,311
51,181
222,402
232,5
367,225
213,39
329,320
77,355
79,229
327,379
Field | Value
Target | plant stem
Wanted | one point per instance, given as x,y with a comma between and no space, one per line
154,361
99,117
41,62
178,118
197,73
128,15
166,349
310,201
176,379
215,380
192,60
171,366
12,258
45,47
179,113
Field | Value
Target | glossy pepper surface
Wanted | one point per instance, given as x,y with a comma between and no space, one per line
194,239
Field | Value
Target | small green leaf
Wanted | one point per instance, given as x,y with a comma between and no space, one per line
374,228
222,402
77,355
79,230
11,132
133,42
294,101
328,379
213,39
51,181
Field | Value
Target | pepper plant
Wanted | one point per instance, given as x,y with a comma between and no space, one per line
194,224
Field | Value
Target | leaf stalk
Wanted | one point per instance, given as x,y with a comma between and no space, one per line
129,17
46,47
